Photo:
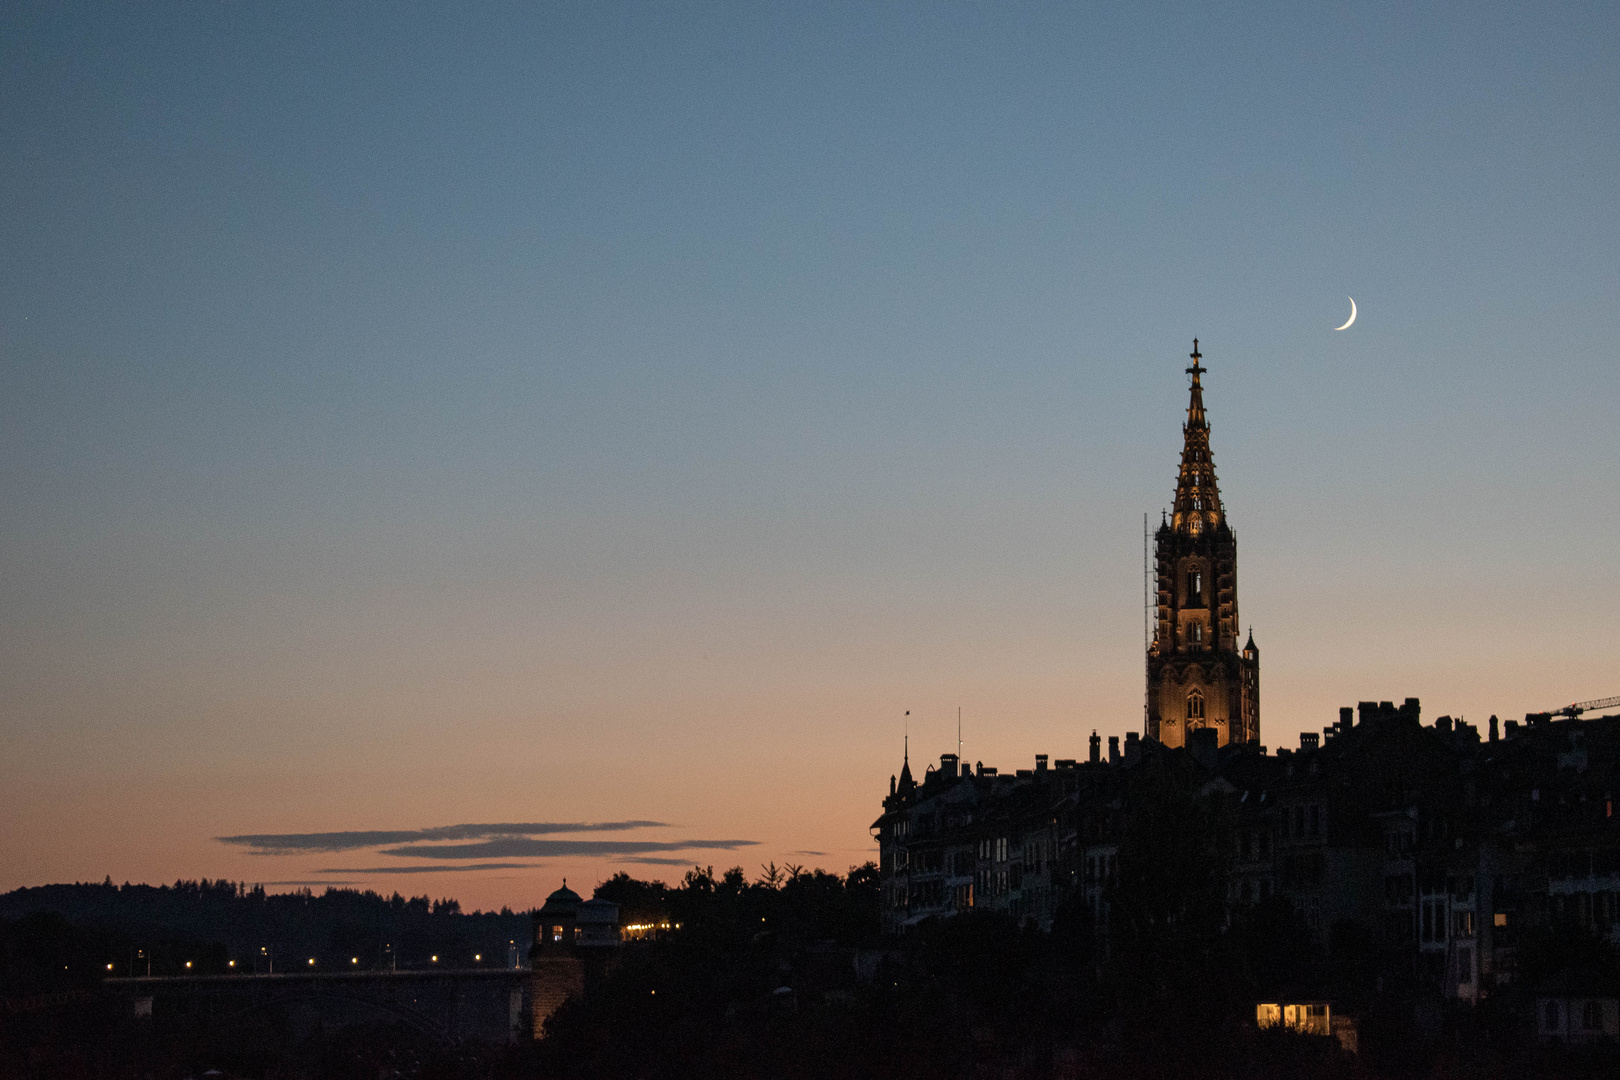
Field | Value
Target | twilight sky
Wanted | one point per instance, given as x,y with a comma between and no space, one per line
451,446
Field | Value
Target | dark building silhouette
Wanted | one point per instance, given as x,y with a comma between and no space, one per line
1198,679
1440,849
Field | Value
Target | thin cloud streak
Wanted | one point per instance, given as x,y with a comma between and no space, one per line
307,843
429,869
518,847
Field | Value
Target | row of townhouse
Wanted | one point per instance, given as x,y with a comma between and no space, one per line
1437,846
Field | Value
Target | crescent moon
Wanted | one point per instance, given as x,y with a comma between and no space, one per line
1346,326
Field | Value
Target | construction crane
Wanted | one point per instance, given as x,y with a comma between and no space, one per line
1579,707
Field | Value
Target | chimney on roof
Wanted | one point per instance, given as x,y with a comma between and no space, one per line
1096,748
1113,749
1040,762
1494,735
1365,711
1309,740
1133,745
948,766
1443,723
1347,718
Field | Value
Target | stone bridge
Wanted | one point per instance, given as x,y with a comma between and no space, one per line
449,1006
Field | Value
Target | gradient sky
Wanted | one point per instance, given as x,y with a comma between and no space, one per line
524,416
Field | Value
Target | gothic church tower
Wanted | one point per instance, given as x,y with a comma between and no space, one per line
1196,675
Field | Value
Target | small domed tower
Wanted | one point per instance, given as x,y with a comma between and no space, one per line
556,922
557,969
575,942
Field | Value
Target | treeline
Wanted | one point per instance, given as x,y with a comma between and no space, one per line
224,926
791,902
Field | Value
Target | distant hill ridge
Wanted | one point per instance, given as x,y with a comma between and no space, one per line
216,922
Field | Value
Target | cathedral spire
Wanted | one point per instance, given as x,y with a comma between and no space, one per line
1197,676
1198,498
1195,410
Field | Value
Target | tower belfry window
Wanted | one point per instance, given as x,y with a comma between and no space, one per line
1196,633
1195,705
1195,584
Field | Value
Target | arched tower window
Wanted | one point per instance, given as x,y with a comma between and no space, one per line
1195,633
1195,704
1195,585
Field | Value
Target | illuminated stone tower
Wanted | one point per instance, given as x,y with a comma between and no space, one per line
1197,676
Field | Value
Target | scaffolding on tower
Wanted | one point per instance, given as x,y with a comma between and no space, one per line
1147,624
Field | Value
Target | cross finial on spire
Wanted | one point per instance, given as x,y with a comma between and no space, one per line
1196,369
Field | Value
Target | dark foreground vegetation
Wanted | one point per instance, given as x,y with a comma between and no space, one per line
784,977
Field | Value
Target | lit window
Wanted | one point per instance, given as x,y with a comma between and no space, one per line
1197,633
1195,705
